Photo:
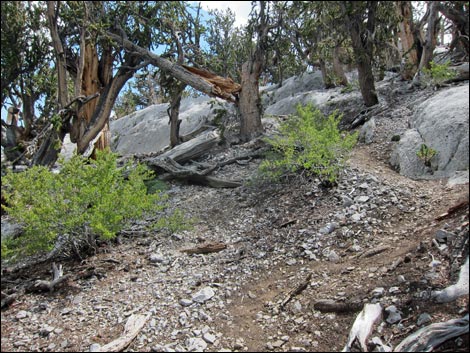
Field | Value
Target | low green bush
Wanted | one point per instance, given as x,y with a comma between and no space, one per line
438,73
85,201
426,153
310,143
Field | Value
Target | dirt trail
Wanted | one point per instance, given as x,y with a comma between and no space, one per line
276,236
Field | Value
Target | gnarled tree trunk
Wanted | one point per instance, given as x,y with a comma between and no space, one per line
408,50
362,46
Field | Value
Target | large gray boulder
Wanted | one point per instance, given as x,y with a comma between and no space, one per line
441,123
147,130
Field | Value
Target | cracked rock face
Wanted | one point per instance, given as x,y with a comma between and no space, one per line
440,122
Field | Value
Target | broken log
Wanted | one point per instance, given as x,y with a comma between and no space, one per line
177,71
57,278
190,149
362,327
180,172
206,248
134,324
454,291
332,306
459,205
432,336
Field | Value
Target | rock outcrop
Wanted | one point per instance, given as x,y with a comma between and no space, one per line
441,123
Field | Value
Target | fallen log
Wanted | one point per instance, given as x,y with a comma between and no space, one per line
57,278
362,327
454,291
180,172
189,150
206,248
134,324
432,336
332,306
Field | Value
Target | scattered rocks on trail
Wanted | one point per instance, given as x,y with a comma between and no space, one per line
370,239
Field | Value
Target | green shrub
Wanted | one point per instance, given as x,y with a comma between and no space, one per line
438,73
85,201
309,143
426,153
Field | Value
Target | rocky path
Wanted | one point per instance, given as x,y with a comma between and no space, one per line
370,239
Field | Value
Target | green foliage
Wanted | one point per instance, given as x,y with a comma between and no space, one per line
79,204
308,142
426,153
438,73
351,86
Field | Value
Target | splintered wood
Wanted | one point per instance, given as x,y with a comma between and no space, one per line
134,324
223,87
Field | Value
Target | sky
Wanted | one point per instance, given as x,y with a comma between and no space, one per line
240,8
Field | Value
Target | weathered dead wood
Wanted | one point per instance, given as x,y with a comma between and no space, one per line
177,71
432,336
373,252
191,174
206,248
57,278
296,291
457,290
288,223
329,305
190,149
7,300
222,85
459,205
134,324
363,325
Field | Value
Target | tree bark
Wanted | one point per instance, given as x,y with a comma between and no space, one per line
324,74
338,67
362,47
408,50
250,102
431,36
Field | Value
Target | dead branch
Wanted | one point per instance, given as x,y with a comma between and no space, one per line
329,305
373,252
57,278
362,327
459,205
7,300
454,291
299,289
432,336
206,248
133,326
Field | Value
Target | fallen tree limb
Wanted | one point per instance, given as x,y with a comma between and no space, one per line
299,289
373,252
57,278
214,88
7,300
134,324
206,248
459,205
454,291
432,336
180,172
191,149
363,325
332,306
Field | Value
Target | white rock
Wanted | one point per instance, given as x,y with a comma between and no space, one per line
203,295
